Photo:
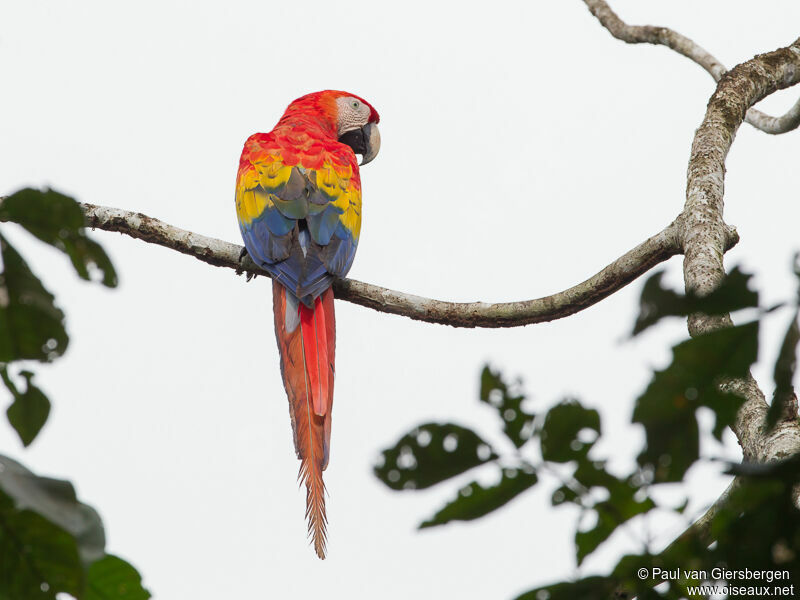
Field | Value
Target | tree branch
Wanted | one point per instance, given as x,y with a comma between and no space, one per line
703,235
649,34
612,278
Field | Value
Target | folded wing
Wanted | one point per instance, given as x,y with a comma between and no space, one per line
299,213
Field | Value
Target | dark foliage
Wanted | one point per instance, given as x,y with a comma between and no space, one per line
758,528
50,543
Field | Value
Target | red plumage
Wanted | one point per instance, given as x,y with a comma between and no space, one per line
309,348
298,203
315,348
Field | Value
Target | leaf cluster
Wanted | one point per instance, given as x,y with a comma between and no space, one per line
50,543
32,326
758,517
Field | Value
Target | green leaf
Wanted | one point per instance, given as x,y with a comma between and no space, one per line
628,573
111,578
430,454
475,501
622,504
632,577
667,407
610,514
560,433
30,409
594,474
658,302
785,367
565,494
759,525
58,220
590,588
31,326
39,558
54,500
517,423
51,543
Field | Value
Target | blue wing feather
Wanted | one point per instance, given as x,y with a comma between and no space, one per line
299,238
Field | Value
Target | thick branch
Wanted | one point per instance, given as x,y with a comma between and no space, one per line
703,233
649,34
615,276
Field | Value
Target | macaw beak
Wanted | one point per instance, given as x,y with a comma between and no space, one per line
365,141
372,137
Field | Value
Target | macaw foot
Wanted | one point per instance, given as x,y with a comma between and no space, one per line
243,255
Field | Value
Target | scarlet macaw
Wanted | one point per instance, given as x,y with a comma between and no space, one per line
298,201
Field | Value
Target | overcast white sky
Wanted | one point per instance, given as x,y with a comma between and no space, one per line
523,149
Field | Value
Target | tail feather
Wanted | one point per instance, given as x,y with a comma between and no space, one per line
315,349
307,349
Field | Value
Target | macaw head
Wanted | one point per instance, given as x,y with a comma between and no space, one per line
350,118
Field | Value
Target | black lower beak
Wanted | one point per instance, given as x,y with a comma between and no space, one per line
365,141
355,139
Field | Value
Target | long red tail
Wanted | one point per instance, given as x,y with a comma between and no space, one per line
307,344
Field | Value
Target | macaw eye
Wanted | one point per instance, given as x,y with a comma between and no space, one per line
355,104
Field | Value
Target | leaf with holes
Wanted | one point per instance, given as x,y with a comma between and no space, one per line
564,494
31,326
595,474
517,423
30,409
430,454
626,498
58,220
658,302
476,501
562,435
667,408
591,475
610,514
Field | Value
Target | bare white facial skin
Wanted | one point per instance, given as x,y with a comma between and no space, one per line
353,114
